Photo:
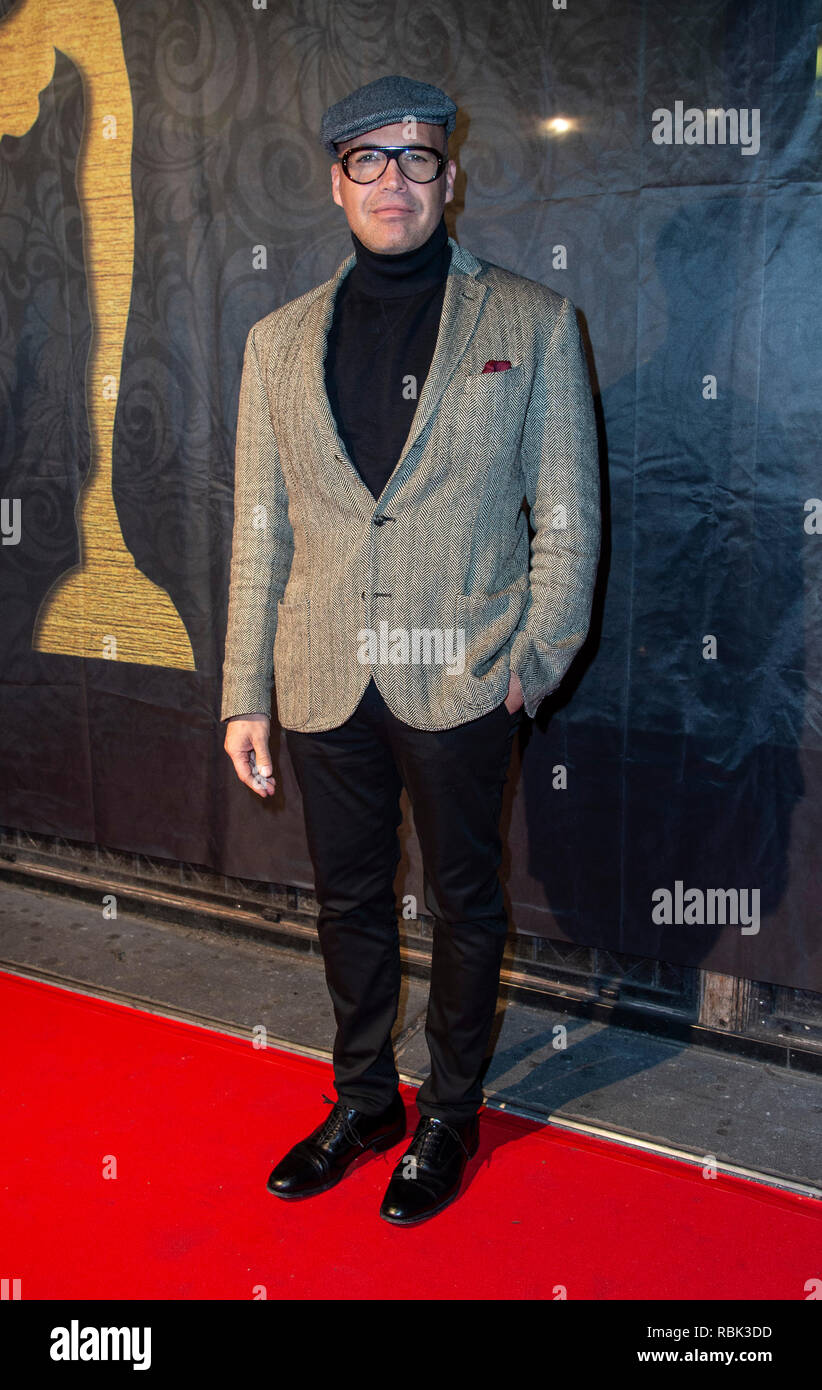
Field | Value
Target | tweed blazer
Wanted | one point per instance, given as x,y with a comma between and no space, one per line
433,588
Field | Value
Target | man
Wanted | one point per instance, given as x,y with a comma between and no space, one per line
391,423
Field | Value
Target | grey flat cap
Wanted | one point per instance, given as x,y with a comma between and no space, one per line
385,102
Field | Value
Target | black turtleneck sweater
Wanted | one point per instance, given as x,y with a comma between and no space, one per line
383,332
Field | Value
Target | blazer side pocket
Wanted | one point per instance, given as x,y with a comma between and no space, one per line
489,622
292,665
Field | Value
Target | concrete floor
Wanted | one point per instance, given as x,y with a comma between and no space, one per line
746,1113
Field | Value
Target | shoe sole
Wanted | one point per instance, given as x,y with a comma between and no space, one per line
378,1146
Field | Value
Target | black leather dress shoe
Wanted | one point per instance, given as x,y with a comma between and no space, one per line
323,1158
427,1185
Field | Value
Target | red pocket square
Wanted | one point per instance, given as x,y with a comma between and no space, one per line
496,366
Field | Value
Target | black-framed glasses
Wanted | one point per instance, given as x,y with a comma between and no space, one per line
366,163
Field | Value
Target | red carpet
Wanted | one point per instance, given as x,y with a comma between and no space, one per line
196,1120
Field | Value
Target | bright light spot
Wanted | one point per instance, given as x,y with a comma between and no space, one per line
559,125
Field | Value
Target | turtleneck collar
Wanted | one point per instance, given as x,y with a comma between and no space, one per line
390,276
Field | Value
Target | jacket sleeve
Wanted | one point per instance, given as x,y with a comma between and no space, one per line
261,550
559,458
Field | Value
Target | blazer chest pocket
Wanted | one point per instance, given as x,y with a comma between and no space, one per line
492,405
291,663
510,379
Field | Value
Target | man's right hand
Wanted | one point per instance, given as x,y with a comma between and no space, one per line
247,735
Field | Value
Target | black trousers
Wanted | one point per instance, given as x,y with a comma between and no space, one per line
350,779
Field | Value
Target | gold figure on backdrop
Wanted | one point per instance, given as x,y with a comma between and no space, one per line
104,606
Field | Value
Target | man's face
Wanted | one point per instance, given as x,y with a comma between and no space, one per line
393,213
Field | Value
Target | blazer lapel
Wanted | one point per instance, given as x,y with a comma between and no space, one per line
461,307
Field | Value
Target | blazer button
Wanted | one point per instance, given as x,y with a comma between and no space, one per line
379,520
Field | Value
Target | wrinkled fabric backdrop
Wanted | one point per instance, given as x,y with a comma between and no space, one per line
685,262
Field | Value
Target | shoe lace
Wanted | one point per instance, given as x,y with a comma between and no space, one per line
335,1121
428,1137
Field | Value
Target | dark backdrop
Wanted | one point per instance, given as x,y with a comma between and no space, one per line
684,261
